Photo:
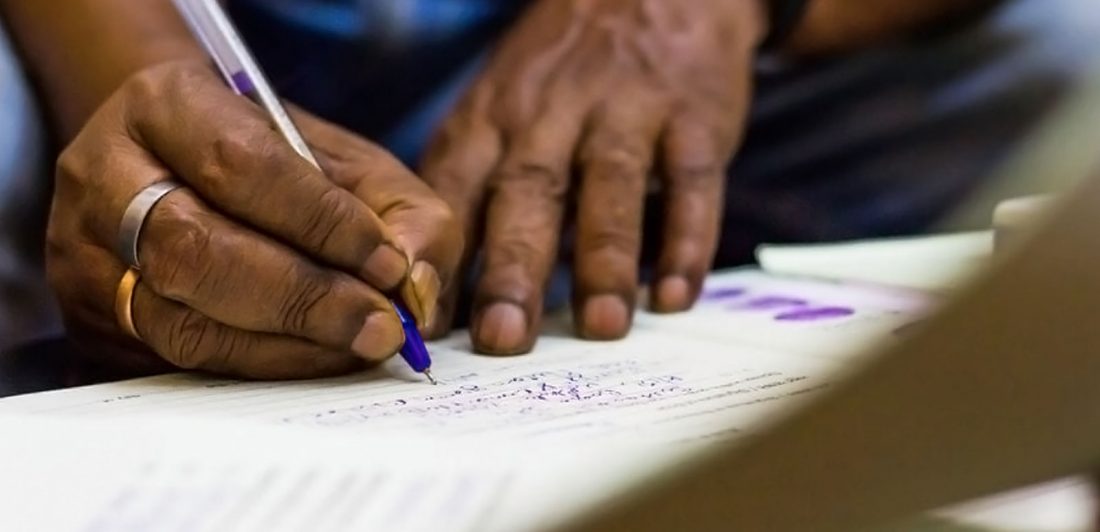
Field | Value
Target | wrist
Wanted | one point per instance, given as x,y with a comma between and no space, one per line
75,106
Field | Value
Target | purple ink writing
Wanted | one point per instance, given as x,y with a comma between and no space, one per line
816,314
771,303
722,294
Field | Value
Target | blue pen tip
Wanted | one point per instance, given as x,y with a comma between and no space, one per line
415,352
431,378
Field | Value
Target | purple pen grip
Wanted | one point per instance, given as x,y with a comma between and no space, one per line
243,84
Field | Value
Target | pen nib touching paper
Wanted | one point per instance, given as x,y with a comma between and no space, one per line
431,378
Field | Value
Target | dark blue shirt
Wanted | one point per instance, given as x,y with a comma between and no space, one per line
388,69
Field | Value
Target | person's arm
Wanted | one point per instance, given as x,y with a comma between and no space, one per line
81,51
1000,390
831,26
260,265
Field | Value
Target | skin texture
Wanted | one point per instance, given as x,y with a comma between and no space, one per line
241,291
585,101
263,267
613,91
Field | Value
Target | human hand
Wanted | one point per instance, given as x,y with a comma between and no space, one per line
617,89
261,266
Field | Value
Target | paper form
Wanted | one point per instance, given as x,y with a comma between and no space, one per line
120,476
651,386
757,346
757,343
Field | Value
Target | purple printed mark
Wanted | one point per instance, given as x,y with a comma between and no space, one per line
816,314
243,84
783,308
771,303
721,294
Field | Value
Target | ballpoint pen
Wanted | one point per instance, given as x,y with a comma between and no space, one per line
213,28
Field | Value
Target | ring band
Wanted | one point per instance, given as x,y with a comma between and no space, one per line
129,231
124,302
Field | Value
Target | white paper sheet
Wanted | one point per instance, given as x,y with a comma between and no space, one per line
651,387
756,346
938,263
146,476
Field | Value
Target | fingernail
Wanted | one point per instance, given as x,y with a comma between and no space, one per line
442,321
673,294
421,294
605,317
386,267
502,329
380,337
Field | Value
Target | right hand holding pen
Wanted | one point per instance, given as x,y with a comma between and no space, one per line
260,265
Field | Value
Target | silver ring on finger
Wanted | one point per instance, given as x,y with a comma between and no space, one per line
133,220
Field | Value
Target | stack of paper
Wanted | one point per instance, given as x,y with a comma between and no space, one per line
933,264
502,444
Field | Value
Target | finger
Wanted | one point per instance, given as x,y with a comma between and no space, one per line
420,222
85,278
195,256
695,178
616,161
457,166
444,319
522,234
462,156
191,340
230,153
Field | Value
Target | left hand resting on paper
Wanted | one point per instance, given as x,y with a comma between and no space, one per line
616,90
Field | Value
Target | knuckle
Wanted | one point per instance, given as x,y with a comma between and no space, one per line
536,176
146,85
694,159
189,340
450,233
460,152
58,254
76,276
70,167
182,263
231,150
694,164
227,347
439,216
197,342
153,83
516,252
620,165
299,306
612,238
238,156
324,217
696,174
76,170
